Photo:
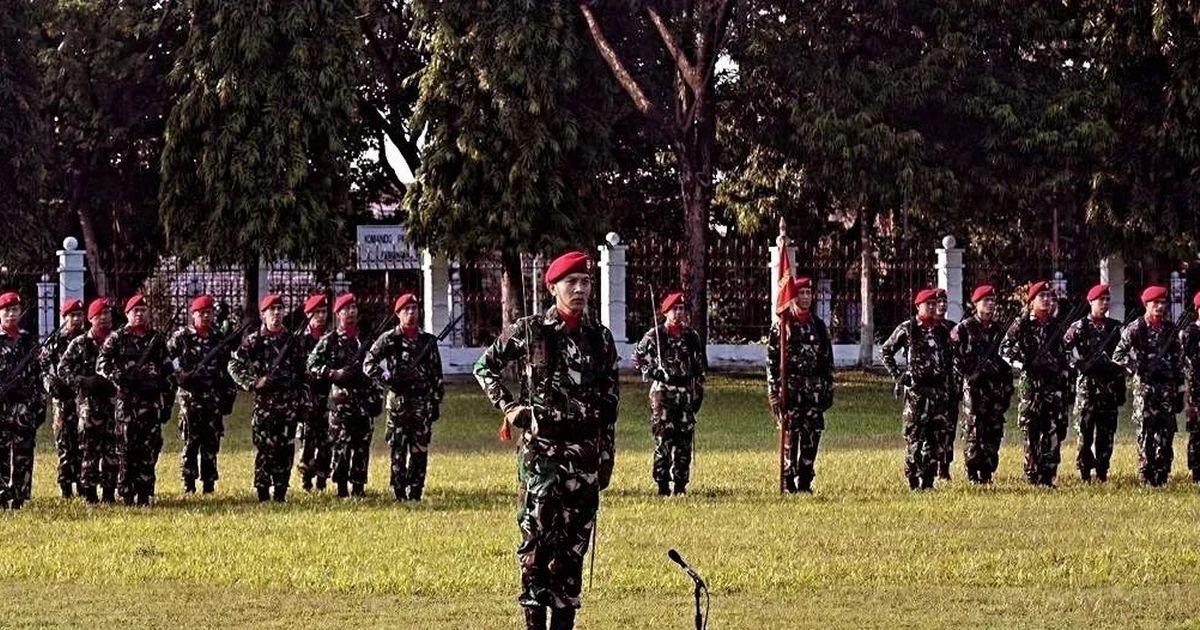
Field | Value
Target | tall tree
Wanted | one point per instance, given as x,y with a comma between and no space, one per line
20,159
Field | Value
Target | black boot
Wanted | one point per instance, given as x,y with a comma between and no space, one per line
110,495
1196,476
400,494
264,493
562,619
320,483
1085,474
680,487
127,497
535,617
210,486
306,483
357,490
1102,475
944,471
414,493
927,481
142,498
89,494
914,483
189,486
804,485
342,490
16,504
66,490
664,488
789,484
280,494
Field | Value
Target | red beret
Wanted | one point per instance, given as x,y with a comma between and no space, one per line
202,302
1154,292
268,301
134,302
344,300
98,306
670,301
802,283
1196,299
567,264
940,293
983,291
71,306
314,302
923,296
1098,291
403,300
9,299
1036,288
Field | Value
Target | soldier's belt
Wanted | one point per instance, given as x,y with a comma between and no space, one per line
566,433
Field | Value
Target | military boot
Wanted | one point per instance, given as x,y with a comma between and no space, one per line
1196,476
320,483
664,488
66,490
189,486
89,494
914,483
1085,474
264,493
210,486
306,483
280,494
927,481
127,497
680,487
562,619
357,490
1102,475
535,617
414,493
401,495
944,471
110,495
342,490
16,504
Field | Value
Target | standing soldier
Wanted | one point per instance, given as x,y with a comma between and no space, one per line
406,362
1033,346
567,414
62,396
314,426
924,387
673,357
24,408
205,387
98,435
1099,386
353,398
987,385
134,358
809,386
268,364
1149,350
941,304
1189,340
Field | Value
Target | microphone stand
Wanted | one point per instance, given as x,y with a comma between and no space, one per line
700,587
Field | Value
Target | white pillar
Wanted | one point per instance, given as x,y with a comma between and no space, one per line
340,284
776,259
612,286
455,300
1176,294
71,268
1112,273
825,300
537,282
47,311
1059,284
435,292
950,276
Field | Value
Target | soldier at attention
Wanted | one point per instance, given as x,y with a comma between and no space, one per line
315,451
566,413
23,402
95,396
941,305
62,397
1099,386
987,383
1189,341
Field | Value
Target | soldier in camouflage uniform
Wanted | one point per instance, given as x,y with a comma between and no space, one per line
809,387
924,385
1149,350
1189,341
314,426
1033,347
95,397
269,363
941,305
62,398
134,358
23,401
206,394
1099,386
566,412
354,400
406,362
672,356
987,385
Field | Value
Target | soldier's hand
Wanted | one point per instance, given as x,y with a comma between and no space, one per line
263,383
184,378
660,374
898,390
520,416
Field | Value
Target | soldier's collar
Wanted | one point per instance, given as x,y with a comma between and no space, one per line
554,318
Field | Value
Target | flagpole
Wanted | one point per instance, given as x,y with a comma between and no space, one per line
785,272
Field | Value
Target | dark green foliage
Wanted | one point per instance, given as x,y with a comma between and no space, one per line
20,159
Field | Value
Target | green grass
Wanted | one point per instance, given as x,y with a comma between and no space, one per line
862,551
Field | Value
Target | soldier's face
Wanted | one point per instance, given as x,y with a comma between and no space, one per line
10,316
408,315
319,317
348,316
677,315
203,318
803,299
925,310
139,316
102,322
1043,302
73,321
572,292
940,306
1100,306
1157,309
273,317
986,307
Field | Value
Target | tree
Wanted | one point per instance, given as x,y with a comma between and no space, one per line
513,143
20,159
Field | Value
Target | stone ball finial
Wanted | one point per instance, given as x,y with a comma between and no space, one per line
948,242
70,244
1058,275
339,276
613,239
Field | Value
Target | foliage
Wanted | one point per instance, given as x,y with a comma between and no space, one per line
21,170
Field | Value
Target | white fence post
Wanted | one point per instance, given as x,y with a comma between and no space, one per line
71,267
950,276
1177,289
612,286
1112,273
436,292
46,309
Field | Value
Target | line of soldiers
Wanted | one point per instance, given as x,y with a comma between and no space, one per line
1059,359
111,391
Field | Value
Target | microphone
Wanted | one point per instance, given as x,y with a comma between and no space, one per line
677,559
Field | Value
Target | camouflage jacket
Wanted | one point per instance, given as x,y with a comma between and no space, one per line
1152,354
809,363
24,400
1032,348
976,347
683,360
49,358
389,363
355,394
1089,346
277,356
929,360
78,364
205,386
318,388
137,364
1189,341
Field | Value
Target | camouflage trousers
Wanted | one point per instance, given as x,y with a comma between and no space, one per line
950,433
674,427
66,440
273,432
16,463
315,449
200,430
99,460
1096,427
801,439
983,426
350,436
1193,444
557,503
926,416
139,444
1155,421
409,439
1042,415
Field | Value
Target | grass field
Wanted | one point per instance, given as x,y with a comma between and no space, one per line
862,551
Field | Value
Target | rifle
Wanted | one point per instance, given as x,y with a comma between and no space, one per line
993,347
231,337
1099,349
1055,335
14,373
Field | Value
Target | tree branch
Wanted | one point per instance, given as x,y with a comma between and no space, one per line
407,147
686,69
624,79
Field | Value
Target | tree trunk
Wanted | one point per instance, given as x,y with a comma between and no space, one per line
695,153
511,290
91,248
250,282
866,342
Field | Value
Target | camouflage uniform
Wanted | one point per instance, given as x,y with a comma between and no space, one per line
987,388
926,382
954,411
414,397
1152,355
95,397
353,405
1189,341
1099,391
206,395
277,404
65,412
1033,348
809,394
676,393
24,410
565,452
137,363
313,432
